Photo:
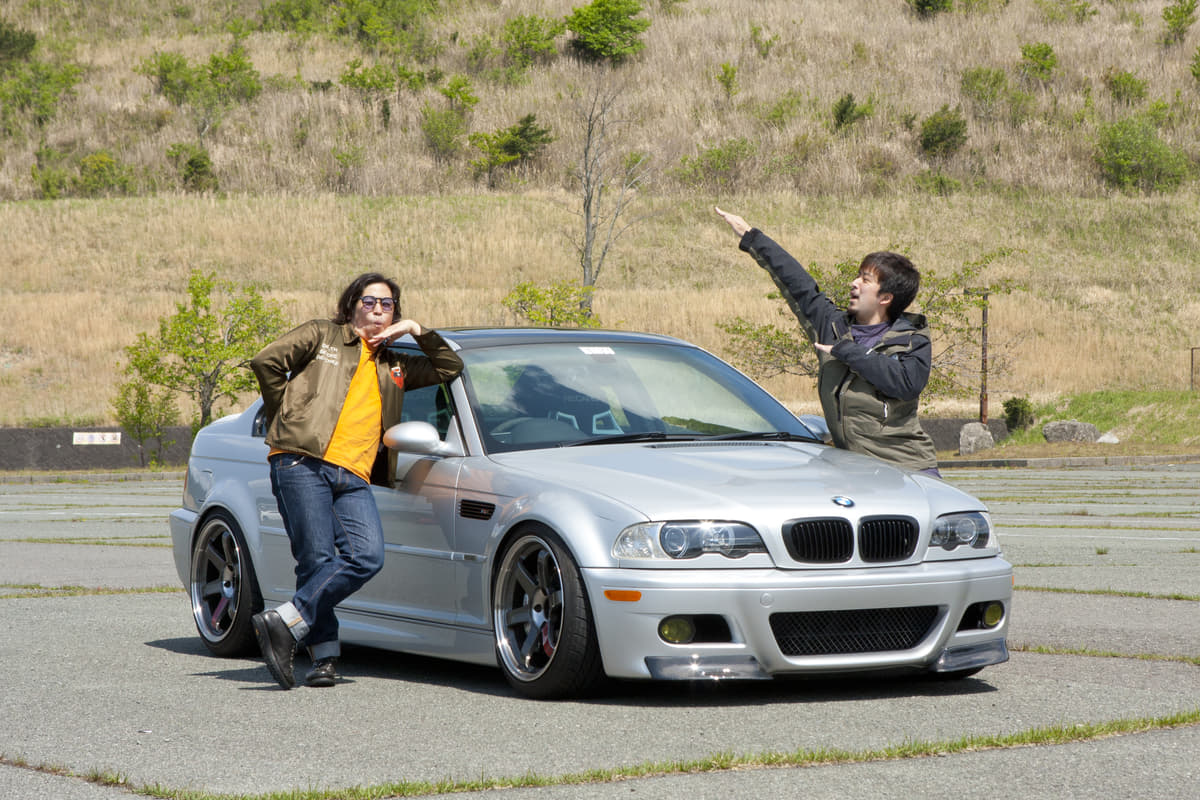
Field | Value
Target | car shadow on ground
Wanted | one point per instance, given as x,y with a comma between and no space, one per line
364,662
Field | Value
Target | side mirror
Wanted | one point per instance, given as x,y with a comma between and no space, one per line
419,438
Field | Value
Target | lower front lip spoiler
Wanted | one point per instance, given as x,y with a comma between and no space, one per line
955,659
700,668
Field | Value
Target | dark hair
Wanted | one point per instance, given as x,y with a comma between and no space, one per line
897,276
354,292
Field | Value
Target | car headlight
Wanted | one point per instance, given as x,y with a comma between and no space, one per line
687,539
969,529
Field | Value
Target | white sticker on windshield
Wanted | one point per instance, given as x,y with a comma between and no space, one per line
597,351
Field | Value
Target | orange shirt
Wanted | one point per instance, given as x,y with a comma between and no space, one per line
356,438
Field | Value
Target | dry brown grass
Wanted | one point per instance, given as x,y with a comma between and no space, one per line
1111,280
83,278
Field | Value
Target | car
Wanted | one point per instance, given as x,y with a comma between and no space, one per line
583,505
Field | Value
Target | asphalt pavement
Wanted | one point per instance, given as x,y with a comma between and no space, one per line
105,677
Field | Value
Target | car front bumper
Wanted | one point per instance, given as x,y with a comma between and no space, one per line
746,599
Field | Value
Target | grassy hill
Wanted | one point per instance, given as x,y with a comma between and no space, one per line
315,176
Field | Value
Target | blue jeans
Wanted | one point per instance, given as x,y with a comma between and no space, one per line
337,539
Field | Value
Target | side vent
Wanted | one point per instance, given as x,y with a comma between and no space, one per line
476,509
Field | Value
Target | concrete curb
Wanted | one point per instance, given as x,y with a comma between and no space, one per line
87,477
1071,461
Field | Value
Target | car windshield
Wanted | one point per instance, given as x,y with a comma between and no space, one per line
557,394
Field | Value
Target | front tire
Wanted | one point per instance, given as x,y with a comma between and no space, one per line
545,638
223,589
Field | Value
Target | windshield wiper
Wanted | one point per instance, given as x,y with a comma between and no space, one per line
625,438
754,436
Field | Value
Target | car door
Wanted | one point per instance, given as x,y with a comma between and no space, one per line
417,579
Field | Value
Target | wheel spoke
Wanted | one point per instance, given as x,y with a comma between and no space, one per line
215,557
524,579
521,615
547,571
212,589
532,637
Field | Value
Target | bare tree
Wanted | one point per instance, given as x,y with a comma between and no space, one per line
606,177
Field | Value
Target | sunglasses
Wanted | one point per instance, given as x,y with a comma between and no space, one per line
386,303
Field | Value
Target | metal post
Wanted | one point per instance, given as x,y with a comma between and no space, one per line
983,366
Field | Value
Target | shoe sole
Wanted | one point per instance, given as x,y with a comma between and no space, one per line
268,652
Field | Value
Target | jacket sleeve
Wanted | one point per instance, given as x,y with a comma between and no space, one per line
439,365
898,375
286,355
816,312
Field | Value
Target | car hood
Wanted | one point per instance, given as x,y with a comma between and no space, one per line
698,479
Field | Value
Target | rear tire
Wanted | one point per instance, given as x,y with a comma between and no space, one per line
223,588
545,638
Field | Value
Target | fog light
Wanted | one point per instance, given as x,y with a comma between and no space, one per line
992,614
677,630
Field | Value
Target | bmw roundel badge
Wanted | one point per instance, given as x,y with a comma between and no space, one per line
844,502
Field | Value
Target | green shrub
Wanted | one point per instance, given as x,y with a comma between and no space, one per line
985,89
233,77
785,109
33,90
1053,11
443,130
1038,61
509,146
936,182
728,80
846,112
763,45
607,30
530,39
1196,65
390,24
561,305
102,175
1018,413
194,166
1125,87
1131,156
16,44
717,167
302,16
50,173
173,77
943,133
460,94
376,78
928,8
1179,17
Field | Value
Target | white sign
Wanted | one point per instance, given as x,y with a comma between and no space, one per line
96,437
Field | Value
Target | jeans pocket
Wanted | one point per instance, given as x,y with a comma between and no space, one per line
286,461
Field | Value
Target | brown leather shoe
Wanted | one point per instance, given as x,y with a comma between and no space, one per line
277,645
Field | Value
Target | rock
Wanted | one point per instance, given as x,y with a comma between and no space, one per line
1108,438
973,437
1070,431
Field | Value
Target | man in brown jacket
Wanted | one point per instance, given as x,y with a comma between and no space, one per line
330,389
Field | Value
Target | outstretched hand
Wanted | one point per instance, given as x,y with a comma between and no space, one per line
737,223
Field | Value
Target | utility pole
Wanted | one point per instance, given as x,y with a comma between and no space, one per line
983,367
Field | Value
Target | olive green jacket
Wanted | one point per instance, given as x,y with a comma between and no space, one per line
305,374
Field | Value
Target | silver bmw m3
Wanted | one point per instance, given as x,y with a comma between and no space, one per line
581,505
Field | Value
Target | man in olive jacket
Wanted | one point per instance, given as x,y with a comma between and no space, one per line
330,389
874,358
